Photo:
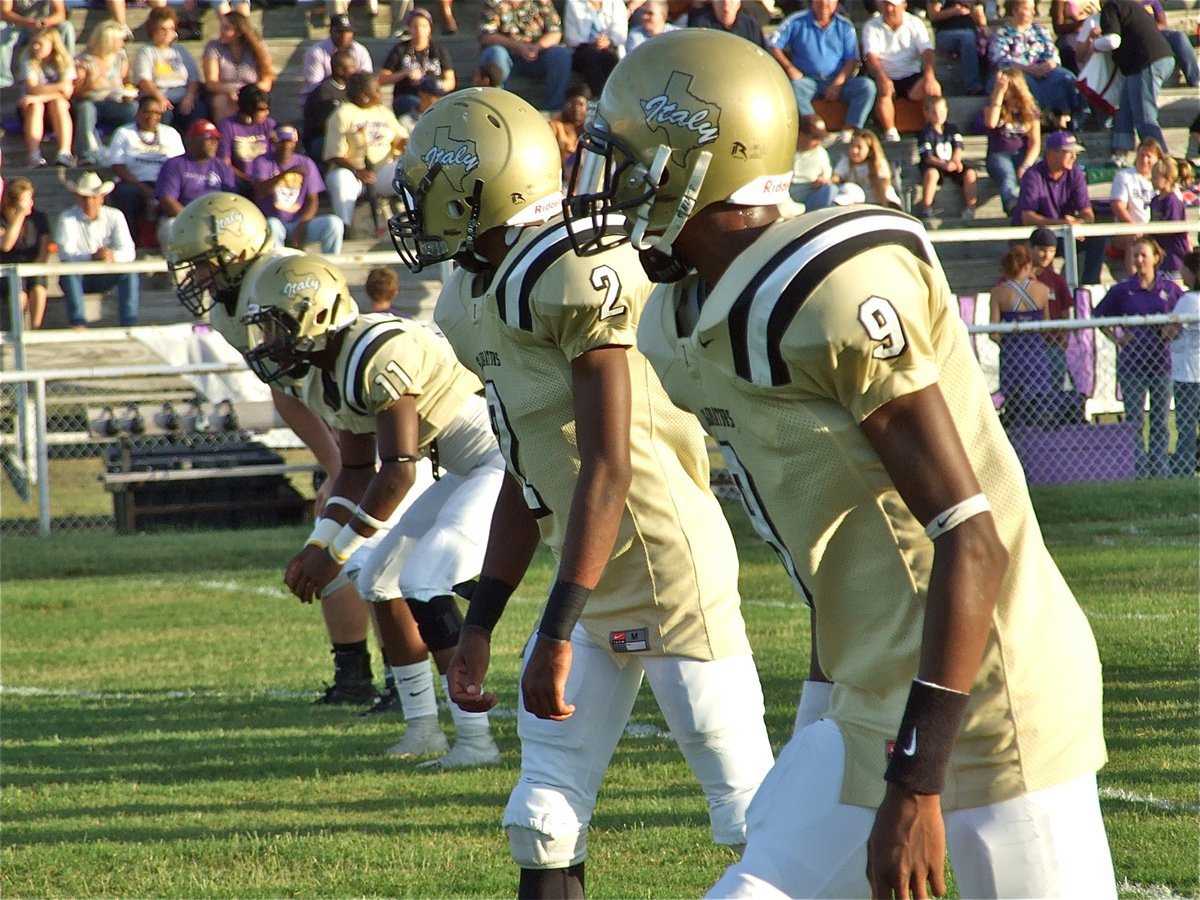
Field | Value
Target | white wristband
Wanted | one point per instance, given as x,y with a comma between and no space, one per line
367,519
814,703
345,543
323,532
956,515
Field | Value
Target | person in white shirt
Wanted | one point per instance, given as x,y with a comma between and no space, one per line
1185,370
898,54
136,152
317,59
649,20
92,231
1132,191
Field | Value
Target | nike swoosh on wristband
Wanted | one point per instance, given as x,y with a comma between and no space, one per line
911,749
941,523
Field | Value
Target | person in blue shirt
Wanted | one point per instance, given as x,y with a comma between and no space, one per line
819,52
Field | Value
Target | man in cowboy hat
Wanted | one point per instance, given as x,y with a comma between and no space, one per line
91,231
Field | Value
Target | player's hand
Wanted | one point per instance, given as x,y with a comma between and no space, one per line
467,670
907,847
309,571
544,684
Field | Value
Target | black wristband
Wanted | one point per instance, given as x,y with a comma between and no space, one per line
563,609
930,726
488,598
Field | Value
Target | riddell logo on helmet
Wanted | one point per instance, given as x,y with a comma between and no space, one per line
676,108
295,288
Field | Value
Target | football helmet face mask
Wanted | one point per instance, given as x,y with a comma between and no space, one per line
478,159
674,131
213,241
300,303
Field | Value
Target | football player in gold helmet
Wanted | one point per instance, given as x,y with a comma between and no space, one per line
826,356
389,388
601,467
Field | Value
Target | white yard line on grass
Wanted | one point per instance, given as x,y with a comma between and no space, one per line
1112,793
1155,891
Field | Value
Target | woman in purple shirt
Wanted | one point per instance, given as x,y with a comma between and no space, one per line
1143,361
1167,206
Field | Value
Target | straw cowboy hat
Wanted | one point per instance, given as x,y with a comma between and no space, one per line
90,185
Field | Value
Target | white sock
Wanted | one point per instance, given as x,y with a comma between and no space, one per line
415,684
466,724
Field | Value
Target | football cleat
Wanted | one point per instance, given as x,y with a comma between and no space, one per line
467,753
352,681
423,737
387,703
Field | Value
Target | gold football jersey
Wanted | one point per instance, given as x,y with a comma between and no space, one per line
670,586
821,321
231,327
383,358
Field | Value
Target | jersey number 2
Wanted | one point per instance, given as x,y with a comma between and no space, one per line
605,278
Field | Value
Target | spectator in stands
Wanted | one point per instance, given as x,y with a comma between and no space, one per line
166,71
48,79
287,188
567,125
20,20
412,60
321,103
1021,43
812,172
1131,193
958,27
1025,378
246,135
525,36
137,154
488,76
24,238
727,16
184,178
1181,48
237,58
819,52
940,146
383,287
1167,206
363,140
1143,360
1054,192
1067,18
1043,247
649,20
595,32
318,57
1143,56
1014,132
91,231
899,56
1185,370
101,98
866,166
429,91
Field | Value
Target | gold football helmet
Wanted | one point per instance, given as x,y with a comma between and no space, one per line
477,159
691,118
299,303
214,239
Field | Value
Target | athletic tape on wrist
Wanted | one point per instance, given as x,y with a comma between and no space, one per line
323,532
344,543
563,609
488,599
367,519
930,726
956,515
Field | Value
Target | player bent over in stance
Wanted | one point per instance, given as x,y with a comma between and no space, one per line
390,387
602,467
826,356
218,244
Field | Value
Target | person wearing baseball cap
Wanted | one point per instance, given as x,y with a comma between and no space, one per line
1054,192
415,58
317,65
1043,247
287,188
93,232
197,172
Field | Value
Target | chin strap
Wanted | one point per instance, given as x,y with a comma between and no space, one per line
656,256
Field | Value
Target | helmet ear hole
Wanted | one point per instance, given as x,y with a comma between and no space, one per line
456,209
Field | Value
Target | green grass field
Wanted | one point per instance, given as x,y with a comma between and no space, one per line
158,741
